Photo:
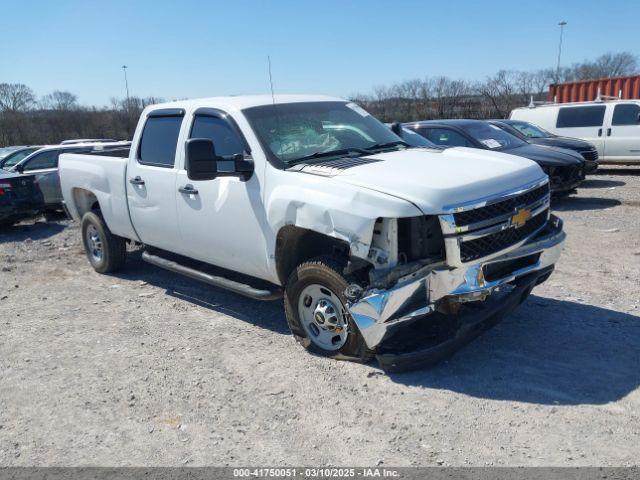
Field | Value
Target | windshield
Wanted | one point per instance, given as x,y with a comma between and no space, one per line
416,140
493,137
6,151
294,132
530,130
15,158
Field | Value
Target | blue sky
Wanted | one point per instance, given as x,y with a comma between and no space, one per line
187,49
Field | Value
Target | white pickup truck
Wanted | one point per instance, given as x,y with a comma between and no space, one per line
378,248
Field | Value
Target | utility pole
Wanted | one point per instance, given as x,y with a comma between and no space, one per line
126,83
561,24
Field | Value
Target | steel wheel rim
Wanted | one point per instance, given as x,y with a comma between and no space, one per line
94,243
323,317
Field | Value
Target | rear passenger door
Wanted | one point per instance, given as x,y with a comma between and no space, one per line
623,133
585,122
44,166
151,180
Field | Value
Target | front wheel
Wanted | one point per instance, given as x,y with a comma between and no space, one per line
106,252
315,309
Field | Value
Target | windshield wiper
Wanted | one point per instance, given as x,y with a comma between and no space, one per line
329,153
380,146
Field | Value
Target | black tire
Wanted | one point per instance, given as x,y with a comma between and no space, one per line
113,248
325,271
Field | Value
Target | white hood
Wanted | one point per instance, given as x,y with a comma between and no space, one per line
434,180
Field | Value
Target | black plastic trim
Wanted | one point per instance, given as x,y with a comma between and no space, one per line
216,281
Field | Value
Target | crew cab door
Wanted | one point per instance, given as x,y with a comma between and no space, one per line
220,219
623,132
585,122
151,180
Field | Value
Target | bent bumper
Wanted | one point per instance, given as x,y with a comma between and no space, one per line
379,313
425,345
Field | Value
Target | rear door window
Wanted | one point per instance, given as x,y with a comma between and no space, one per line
572,117
626,114
159,141
43,161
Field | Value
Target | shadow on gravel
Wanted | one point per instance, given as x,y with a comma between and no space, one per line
597,183
617,171
549,352
583,203
34,231
268,315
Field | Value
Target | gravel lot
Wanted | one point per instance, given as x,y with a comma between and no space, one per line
148,368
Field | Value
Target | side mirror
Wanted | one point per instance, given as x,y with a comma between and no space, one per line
200,159
19,168
202,163
396,127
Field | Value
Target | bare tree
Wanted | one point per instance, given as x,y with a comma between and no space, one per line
605,66
16,97
58,100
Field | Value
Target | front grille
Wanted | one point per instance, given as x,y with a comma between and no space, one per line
591,155
500,208
492,243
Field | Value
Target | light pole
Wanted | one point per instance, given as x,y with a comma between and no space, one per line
126,83
561,24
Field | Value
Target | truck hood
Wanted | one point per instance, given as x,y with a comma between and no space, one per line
437,180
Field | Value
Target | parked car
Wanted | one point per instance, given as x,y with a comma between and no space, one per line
76,141
539,136
612,126
43,163
15,154
412,138
566,169
20,197
310,198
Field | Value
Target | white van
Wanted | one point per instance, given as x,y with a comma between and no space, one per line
613,126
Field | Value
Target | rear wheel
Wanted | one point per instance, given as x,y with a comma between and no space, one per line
316,313
106,252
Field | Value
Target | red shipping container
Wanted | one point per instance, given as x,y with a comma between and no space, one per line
625,88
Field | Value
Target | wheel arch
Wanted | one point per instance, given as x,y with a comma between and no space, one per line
295,245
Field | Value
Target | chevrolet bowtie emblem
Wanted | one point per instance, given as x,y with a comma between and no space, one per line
521,217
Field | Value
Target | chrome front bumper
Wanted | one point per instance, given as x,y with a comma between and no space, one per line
380,311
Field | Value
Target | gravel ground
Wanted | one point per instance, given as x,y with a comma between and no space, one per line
148,368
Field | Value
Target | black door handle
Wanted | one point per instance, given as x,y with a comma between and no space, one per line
136,181
599,132
608,132
188,189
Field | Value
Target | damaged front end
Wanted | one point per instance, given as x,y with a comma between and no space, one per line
495,252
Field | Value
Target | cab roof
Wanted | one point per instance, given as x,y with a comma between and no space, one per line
241,102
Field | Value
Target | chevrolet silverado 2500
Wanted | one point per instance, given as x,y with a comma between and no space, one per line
377,248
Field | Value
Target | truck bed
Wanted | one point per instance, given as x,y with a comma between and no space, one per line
98,176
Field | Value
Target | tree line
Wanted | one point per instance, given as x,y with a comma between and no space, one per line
26,119
495,97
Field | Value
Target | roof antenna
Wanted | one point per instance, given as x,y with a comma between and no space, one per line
273,97
531,104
